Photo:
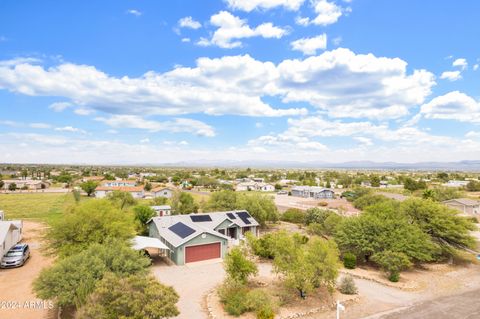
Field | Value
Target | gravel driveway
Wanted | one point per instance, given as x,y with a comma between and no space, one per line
192,283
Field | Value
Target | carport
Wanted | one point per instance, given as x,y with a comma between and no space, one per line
143,243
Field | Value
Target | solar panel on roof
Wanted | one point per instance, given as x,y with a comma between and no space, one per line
181,230
231,216
244,217
201,218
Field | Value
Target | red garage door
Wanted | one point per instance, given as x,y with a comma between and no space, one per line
202,252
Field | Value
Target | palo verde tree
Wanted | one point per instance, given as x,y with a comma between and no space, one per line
133,297
238,266
93,221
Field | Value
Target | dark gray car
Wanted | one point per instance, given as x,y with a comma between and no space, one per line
16,256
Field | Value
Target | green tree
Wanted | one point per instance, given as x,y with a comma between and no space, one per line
306,266
393,262
294,215
89,187
221,201
473,186
70,280
375,181
261,207
442,224
133,297
142,215
428,194
148,186
368,200
2,183
382,228
12,187
121,199
238,266
93,221
183,203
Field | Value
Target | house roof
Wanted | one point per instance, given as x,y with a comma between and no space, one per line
120,188
311,189
208,224
464,201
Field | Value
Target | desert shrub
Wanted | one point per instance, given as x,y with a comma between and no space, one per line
349,260
347,286
233,296
263,246
323,204
368,200
394,277
238,266
293,215
262,303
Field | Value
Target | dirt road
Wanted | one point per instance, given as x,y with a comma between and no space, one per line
17,300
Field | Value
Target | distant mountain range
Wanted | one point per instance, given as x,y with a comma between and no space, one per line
461,165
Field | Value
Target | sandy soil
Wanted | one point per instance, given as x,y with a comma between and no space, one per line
16,284
284,202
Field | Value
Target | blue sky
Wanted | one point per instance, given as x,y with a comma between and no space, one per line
131,82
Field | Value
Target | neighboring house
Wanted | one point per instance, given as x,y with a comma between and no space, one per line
162,191
312,192
136,191
454,183
26,183
162,210
197,237
119,183
465,205
254,186
10,235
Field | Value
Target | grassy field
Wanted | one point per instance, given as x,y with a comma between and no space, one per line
45,207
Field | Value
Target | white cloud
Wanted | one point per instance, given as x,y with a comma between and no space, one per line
145,140
185,40
189,22
363,140
70,129
183,143
228,85
232,29
309,46
337,41
134,12
327,13
83,111
475,67
461,62
451,75
453,106
250,5
344,84
60,106
177,125
339,83
473,134
40,125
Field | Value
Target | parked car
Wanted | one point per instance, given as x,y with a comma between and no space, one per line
16,256
282,193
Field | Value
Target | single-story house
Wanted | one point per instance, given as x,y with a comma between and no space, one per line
454,183
255,186
119,183
197,237
465,205
162,210
103,191
312,192
162,191
25,183
10,235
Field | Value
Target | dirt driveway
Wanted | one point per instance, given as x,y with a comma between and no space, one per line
192,282
16,284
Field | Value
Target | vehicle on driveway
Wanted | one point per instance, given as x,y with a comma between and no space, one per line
16,256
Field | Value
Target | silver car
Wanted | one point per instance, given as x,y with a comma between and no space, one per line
16,256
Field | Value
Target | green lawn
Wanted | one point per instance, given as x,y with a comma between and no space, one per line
45,207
